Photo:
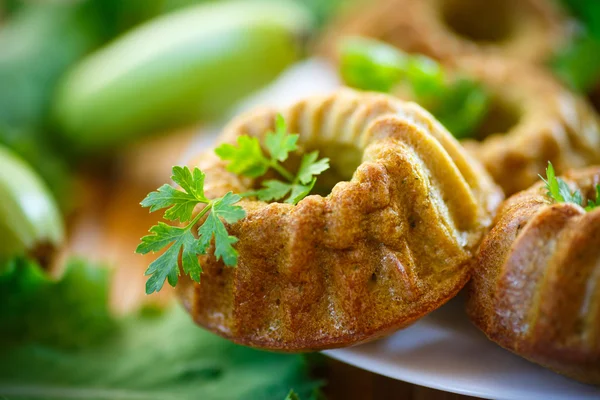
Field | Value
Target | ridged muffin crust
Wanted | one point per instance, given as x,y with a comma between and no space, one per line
390,242
536,283
548,122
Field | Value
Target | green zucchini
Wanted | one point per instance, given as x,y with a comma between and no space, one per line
186,66
29,215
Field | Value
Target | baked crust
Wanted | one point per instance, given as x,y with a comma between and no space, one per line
380,251
553,123
536,28
535,286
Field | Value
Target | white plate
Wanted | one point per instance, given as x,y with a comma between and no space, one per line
445,351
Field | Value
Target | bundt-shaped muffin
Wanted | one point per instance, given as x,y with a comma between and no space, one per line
390,243
536,283
531,119
528,30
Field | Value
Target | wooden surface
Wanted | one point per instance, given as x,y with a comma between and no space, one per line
345,382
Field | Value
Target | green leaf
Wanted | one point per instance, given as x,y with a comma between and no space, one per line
162,235
552,184
213,226
558,189
166,267
593,204
300,191
462,107
70,312
273,190
280,143
309,167
192,184
246,158
578,62
292,396
368,64
180,205
225,208
459,104
567,195
426,76
162,357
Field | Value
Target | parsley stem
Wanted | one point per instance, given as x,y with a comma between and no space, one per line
282,171
200,215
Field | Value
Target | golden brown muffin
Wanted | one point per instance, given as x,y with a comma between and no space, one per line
528,30
536,283
531,119
391,242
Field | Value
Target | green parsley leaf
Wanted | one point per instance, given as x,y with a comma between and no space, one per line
593,204
277,190
300,191
280,143
567,195
225,208
166,267
246,158
182,242
191,183
552,183
558,189
180,204
459,104
213,226
292,396
273,190
309,167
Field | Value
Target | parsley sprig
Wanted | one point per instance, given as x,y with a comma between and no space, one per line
247,159
180,206
560,192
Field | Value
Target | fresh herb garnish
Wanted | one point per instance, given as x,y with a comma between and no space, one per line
560,192
247,159
459,104
593,204
180,205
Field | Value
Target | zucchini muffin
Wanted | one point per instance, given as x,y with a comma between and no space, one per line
536,283
532,119
389,239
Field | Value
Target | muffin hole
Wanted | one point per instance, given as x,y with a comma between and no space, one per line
479,21
501,117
